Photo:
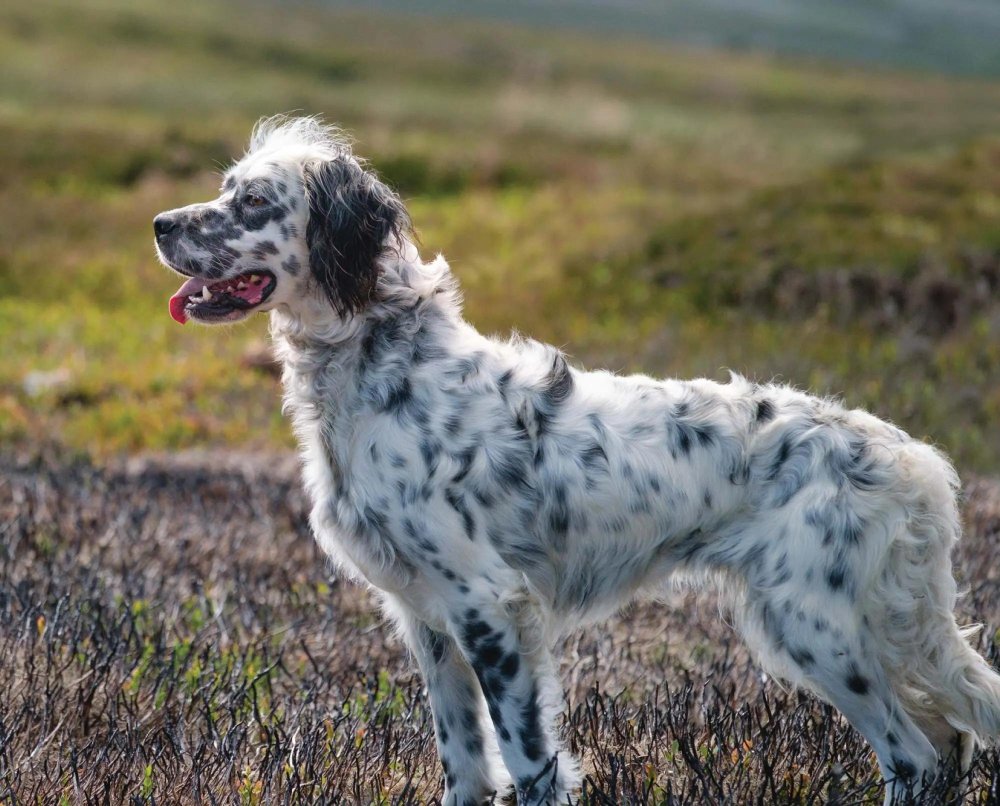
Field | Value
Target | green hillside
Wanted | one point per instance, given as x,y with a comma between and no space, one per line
646,207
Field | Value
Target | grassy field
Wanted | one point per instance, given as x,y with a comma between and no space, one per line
170,632
672,211
171,635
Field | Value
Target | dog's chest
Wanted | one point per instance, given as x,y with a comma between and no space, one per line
349,527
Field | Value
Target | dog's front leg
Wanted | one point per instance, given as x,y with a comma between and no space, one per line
517,676
472,772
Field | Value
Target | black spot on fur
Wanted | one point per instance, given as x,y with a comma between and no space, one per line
559,382
782,573
457,502
488,653
556,387
475,629
790,468
836,578
263,249
532,739
803,657
784,449
684,432
430,452
425,349
740,474
904,769
857,466
682,441
594,457
857,683
464,459
559,513
510,665
419,538
463,368
509,466
483,498
504,381
765,412
840,524
399,397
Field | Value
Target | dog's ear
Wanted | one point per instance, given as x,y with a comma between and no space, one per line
352,215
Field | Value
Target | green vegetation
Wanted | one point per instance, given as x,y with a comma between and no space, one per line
648,208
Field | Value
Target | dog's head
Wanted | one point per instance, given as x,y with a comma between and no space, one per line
299,218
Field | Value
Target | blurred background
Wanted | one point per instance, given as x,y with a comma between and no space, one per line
804,191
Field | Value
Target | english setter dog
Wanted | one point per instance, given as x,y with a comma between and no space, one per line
496,496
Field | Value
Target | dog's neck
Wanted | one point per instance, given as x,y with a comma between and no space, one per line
404,282
324,354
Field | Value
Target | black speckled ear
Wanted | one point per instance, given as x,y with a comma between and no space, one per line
352,216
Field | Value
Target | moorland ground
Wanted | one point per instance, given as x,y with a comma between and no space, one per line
172,633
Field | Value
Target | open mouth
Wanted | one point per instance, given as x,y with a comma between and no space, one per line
223,300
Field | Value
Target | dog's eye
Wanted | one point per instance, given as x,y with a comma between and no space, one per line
253,200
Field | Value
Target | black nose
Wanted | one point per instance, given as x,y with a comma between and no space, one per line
163,224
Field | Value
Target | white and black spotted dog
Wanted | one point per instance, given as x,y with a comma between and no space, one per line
497,497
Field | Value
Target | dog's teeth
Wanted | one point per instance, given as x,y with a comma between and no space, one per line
241,286
205,293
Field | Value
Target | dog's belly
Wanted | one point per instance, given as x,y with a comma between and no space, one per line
629,530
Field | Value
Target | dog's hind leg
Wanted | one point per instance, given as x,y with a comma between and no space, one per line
949,689
829,650
505,646
472,771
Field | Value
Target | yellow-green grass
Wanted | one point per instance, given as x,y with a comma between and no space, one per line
634,203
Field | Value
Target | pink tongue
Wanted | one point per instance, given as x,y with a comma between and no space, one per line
179,299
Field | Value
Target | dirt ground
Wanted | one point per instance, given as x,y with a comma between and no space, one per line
169,633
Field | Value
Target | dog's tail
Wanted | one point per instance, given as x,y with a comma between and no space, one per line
943,683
